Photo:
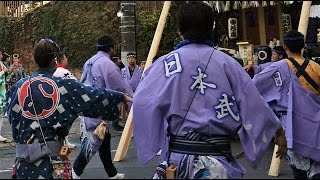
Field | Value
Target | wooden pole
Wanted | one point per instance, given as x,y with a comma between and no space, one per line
127,131
303,27
275,163
304,19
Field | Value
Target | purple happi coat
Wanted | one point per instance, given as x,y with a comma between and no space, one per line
261,67
133,80
226,103
100,71
279,85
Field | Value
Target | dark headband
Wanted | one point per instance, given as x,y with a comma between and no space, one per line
104,45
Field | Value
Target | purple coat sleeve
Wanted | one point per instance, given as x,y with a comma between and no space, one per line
258,122
151,123
114,79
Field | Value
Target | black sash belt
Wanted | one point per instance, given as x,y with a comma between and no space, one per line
217,146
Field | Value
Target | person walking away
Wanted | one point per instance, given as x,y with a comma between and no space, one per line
192,100
100,71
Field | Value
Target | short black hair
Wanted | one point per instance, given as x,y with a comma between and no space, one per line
280,50
60,56
4,56
264,54
105,43
195,21
294,40
45,52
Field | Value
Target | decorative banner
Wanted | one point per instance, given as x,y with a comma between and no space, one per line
286,23
315,11
245,51
232,28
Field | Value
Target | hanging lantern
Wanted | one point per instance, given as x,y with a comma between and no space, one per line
236,5
227,6
232,28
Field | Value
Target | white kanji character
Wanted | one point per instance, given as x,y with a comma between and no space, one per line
169,64
198,83
225,109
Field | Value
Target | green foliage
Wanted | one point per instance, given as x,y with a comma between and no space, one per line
147,22
4,34
76,26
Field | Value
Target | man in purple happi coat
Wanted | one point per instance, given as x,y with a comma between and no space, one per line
193,99
132,73
100,71
278,53
291,87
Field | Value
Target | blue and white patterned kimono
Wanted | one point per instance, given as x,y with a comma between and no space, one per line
57,102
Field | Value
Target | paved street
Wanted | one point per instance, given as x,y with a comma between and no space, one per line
130,165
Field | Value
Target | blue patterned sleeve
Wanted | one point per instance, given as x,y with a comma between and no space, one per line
92,102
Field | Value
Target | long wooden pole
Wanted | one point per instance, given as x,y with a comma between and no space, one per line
127,131
303,27
304,19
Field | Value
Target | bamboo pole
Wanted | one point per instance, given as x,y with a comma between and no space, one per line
275,163
304,19
303,27
127,131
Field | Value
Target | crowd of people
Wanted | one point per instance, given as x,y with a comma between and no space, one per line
181,111
9,75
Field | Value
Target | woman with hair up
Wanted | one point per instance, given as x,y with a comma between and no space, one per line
192,100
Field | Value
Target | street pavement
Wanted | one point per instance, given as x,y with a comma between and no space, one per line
130,165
